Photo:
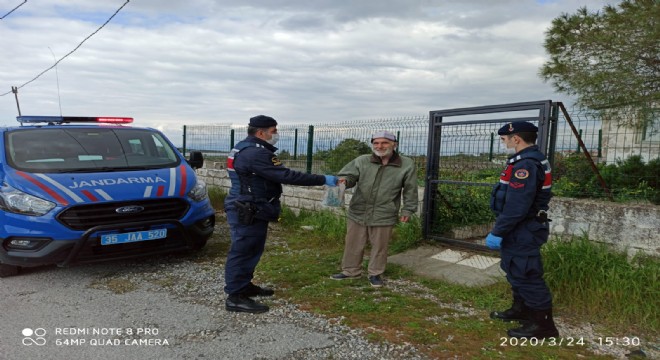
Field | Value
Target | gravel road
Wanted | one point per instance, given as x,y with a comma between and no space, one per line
161,308
173,308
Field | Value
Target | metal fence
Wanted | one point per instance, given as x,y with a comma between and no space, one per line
609,140
301,145
626,154
317,148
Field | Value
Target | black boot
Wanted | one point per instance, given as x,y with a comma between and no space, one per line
242,303
254,290
540,326
517,312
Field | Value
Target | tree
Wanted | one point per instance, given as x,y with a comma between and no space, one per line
345,151
284,155
609,59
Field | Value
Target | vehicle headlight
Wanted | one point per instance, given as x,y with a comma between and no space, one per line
198,192
15,201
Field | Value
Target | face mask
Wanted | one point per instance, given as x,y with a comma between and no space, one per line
507,150
273,140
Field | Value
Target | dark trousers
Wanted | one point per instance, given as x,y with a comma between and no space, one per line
247,246
525,274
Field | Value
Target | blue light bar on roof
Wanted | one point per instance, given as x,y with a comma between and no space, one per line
73,119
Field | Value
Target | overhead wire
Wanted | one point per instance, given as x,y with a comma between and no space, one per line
70,52
12,10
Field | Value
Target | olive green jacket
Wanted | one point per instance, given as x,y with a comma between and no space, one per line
377,194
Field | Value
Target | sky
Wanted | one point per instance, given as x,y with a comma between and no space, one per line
170,63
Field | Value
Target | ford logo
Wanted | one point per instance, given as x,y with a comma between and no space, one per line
131,209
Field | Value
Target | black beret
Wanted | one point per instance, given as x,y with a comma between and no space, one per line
517,127
262,121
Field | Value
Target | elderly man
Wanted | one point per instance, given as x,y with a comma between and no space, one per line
379,179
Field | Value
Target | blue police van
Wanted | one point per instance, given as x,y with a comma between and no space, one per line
87,189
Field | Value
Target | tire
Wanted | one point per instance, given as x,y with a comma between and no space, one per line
199,244
8,270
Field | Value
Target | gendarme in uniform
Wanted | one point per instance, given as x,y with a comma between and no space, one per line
520,201
256,177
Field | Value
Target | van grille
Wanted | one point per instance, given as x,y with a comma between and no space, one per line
83,217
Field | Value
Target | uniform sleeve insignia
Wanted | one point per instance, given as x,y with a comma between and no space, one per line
516,185
276,161
521,174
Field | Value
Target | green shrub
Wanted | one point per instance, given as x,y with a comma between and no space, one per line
569,175
629,179
458,206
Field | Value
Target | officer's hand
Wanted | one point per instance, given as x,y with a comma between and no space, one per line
493,242
330,180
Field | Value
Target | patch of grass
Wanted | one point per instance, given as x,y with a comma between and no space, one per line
325,224
406,236
217,197
117,286
597,284
441,319
121,286
166,282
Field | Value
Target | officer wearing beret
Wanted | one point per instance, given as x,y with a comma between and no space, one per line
520,201
256,176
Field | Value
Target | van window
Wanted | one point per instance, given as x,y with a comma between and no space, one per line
88,150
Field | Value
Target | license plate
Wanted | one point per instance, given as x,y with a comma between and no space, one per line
112,239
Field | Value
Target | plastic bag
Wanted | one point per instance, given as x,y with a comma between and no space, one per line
334,195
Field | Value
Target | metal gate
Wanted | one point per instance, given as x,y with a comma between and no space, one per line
464,162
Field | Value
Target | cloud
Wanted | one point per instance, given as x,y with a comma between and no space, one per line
171,63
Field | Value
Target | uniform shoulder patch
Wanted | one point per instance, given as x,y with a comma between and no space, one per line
276,161
521,174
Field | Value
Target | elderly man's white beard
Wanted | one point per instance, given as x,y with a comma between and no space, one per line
387,152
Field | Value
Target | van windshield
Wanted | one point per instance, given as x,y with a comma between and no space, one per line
88,150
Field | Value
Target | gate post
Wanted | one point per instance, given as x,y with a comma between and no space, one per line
432,166
310,148
552,143
183,149
544,129
295,144
231,139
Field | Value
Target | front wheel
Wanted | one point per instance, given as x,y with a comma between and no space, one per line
8,270
199,244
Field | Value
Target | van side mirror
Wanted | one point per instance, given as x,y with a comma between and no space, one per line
196,159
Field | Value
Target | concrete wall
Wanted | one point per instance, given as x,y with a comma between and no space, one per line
621,142
627,227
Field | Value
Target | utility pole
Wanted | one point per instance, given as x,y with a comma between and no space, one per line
14,89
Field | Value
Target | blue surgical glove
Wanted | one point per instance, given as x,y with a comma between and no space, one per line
493,241
330,180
